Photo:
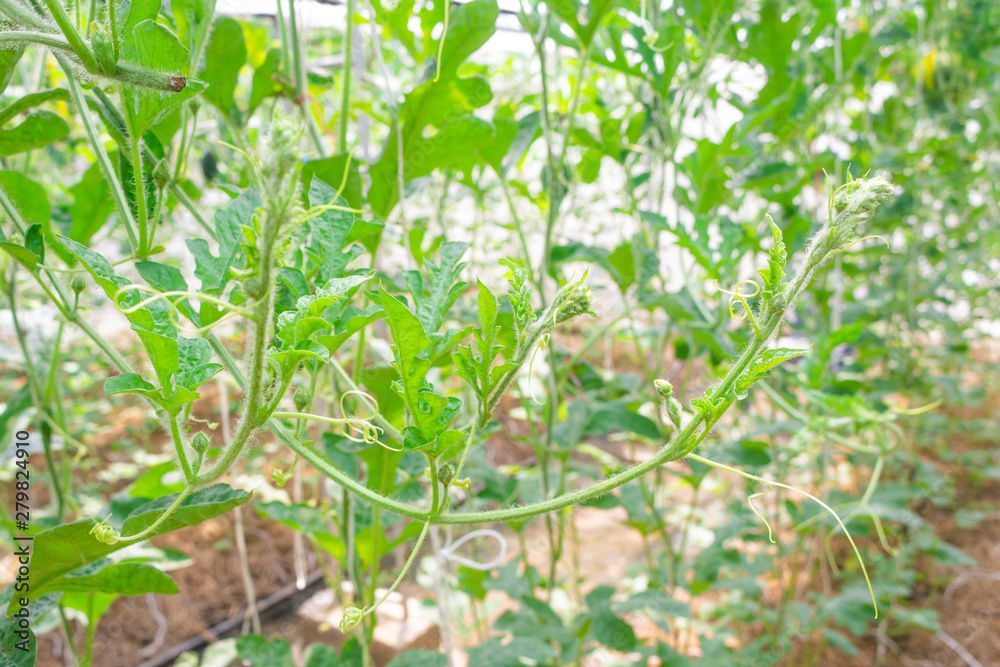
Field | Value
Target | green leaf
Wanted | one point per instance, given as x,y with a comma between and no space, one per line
127,383
351,320
443,106
764,362
571,11
163,354
39,129
31,100
606,627
658,602
64,549
155,47
21,255
329,231
92,204
225,55
168,279
470,25
116,578
151,484
16,650
214,271
296,516
419,658
194,365
432,413
264,84
434,300
260,652
190,16
330,170
8,64
493,653
321,655
613,417
153,317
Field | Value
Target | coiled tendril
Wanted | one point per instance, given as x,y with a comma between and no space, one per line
740,296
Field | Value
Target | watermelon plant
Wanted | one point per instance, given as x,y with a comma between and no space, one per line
412,333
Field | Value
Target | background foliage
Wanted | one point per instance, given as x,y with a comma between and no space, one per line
454,248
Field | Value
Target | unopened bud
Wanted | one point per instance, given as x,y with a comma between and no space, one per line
200,442
78,284
446,473
302,398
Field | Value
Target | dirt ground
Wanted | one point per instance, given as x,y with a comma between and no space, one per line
211,590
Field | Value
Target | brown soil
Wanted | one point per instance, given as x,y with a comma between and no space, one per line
967,599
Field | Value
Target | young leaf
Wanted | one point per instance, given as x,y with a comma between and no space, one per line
214,271
432,413
767,360
434,299
127,383
777,258
153,317
329,231
225,54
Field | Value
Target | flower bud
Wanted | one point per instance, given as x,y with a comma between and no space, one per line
200,442
446,473
861,196
78,284
670,404
302,398
280,477
663,388
575,299
103,49
161,173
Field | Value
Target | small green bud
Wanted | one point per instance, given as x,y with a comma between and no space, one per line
663,388
670,404
302,399
280,477
161,173
78,284
446,473
576,300
352,616
861,195
104,50
200,442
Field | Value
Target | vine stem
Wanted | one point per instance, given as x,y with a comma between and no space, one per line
19,14
103,161
135,147
406,568
175,435
345,100
35,387
69,31
60,298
